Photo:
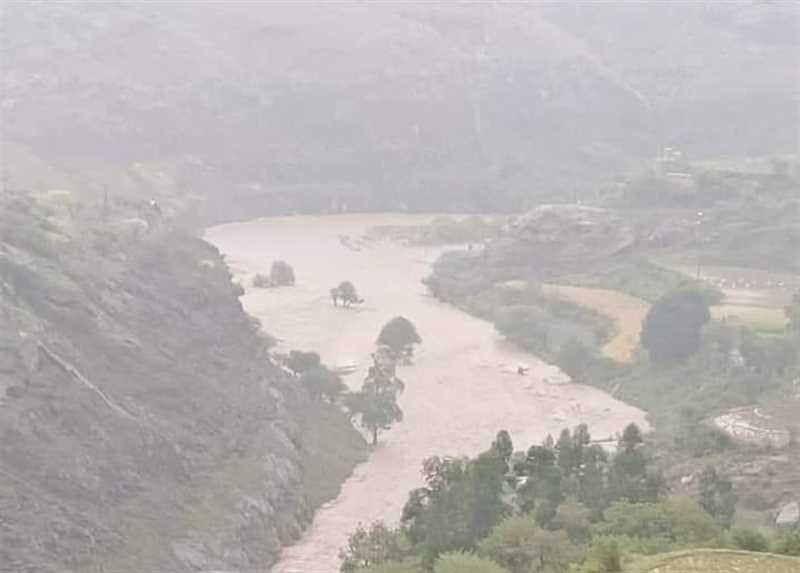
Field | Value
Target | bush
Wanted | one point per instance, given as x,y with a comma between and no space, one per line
749,540
678,520
405,566
262,281
466,563
281,273
607,555
371,546
788,543
299,362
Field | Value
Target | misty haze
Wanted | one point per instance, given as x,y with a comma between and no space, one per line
400,287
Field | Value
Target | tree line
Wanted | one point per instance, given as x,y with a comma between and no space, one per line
566,504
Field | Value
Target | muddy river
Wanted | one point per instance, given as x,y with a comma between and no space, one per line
462,388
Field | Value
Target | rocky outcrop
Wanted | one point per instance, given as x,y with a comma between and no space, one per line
789,515
142,424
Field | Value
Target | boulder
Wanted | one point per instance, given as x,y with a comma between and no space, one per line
789,515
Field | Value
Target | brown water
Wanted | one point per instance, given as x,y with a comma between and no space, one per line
461,390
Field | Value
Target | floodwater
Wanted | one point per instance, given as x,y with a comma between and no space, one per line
462,388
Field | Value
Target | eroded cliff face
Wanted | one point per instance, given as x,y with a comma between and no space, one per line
142,424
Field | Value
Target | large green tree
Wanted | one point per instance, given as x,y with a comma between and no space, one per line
671,330
400,335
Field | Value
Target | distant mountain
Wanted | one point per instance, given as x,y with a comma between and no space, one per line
450,106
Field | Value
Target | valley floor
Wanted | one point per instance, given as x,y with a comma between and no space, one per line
462,388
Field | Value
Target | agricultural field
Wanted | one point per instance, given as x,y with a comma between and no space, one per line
751,297
627,311
764,320
716,561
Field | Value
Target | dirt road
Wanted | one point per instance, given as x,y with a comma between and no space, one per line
462,389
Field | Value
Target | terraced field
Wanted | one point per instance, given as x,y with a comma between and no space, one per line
627,311
717,561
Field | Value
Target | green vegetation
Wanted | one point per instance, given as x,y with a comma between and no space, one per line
281,274
399,335
671,329
375,405
564,505
262,281
299,362
346,293
684,367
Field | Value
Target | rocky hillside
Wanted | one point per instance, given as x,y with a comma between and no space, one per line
142,425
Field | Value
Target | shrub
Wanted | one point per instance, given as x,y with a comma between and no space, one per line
281,273
466,563
371,546
607,555
788,543
262,281
749,540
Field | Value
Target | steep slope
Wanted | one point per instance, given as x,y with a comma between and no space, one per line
142,425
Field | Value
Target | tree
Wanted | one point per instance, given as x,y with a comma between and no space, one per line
671,330
299,362
322,383
575,359
399,335
541,486
629,476
503,445
376,403
281,273
459,504
567,453
346,292
370,546
521,546
573,518
716,497
459,562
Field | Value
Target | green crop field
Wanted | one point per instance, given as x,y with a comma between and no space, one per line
716,561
